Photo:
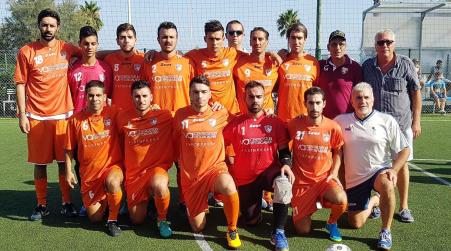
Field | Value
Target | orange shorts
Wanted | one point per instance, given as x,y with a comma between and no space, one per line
305,198
138,187
46,141
196,195
95,191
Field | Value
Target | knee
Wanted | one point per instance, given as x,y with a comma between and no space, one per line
160,187
197,227
355,223
95,218
387,186
113,184
302,229
137,219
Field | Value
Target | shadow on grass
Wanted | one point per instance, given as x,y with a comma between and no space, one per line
434,163
427,180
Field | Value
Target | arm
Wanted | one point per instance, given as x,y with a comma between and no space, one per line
275,57
285,160
70,177
24,123
416,113
103,53
398,163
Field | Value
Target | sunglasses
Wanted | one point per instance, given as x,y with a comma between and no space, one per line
383,42
235,33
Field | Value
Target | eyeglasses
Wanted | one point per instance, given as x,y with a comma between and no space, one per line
383,42
235,33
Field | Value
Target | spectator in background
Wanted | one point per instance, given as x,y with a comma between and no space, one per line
437,68
438,91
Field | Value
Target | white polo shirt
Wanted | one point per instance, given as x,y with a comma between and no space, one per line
369,144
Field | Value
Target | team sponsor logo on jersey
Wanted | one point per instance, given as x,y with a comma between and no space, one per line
299,135
326,137
101,77
178,67
153,121
137,67
107,122
268,128
344,70
257,141
212,122
203,64
185,123
307,67
91,194
225,62
85,125
326,67
268,72
254,125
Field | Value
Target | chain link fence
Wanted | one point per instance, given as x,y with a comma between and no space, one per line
7,87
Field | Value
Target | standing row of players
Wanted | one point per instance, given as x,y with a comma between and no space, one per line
42,72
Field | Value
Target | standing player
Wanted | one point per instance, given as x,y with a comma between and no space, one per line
339,74
146,137
201,151
87,68
93,133
375,150
44,103
262,159
126,65
296,74
317,143
235,35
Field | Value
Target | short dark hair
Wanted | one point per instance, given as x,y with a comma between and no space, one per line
234,22
48,13
87,31
439,61
260,29
300,27
139,84
125,27
94,83
312,91
200,79
166,25
252,84
213,26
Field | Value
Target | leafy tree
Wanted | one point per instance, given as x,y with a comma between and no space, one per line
286,20
91,14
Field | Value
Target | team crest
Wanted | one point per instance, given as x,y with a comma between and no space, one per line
178,67
203,64
326,137
137,67
268,72
102,77
326,68
185,123
307,67
91,194
107,122
268,128
299,135
85,125
212,122
225,62
153,121
344,70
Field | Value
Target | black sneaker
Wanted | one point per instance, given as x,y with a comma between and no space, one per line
68,210
113,228
39,212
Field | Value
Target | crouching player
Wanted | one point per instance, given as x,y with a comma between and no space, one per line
317,143
262,159
146,137
200,146
93,133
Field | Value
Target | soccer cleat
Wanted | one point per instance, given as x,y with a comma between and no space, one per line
406,216
68,210
165,230
375,213
82,212
113,228
334,232
39,212
279,240
385,241
233,239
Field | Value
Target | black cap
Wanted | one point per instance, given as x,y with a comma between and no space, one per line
337,33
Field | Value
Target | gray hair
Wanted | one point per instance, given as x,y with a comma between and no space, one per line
382,32
361,87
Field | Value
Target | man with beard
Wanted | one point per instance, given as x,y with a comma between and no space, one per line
44,105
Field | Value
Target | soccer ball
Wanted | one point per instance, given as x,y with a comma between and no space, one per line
338,247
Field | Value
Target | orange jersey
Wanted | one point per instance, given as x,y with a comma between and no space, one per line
126,70
296,75
312,148
219,70
147,141
199,139
265,73
95,136
169,81
43,70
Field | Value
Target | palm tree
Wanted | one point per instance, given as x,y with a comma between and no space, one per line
91,12
286,20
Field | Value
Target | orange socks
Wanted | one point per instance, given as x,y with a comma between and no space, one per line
231,210
114,204
65,189
336,210
40,186
162,205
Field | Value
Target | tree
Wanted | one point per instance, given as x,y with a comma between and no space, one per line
286,20
91,13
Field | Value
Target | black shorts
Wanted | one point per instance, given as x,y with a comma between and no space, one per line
359,196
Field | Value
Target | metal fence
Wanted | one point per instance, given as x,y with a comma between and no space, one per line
7,86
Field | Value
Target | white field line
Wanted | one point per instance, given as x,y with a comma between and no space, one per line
430,174
434,160
203,244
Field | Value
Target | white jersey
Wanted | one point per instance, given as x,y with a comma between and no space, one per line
369,144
